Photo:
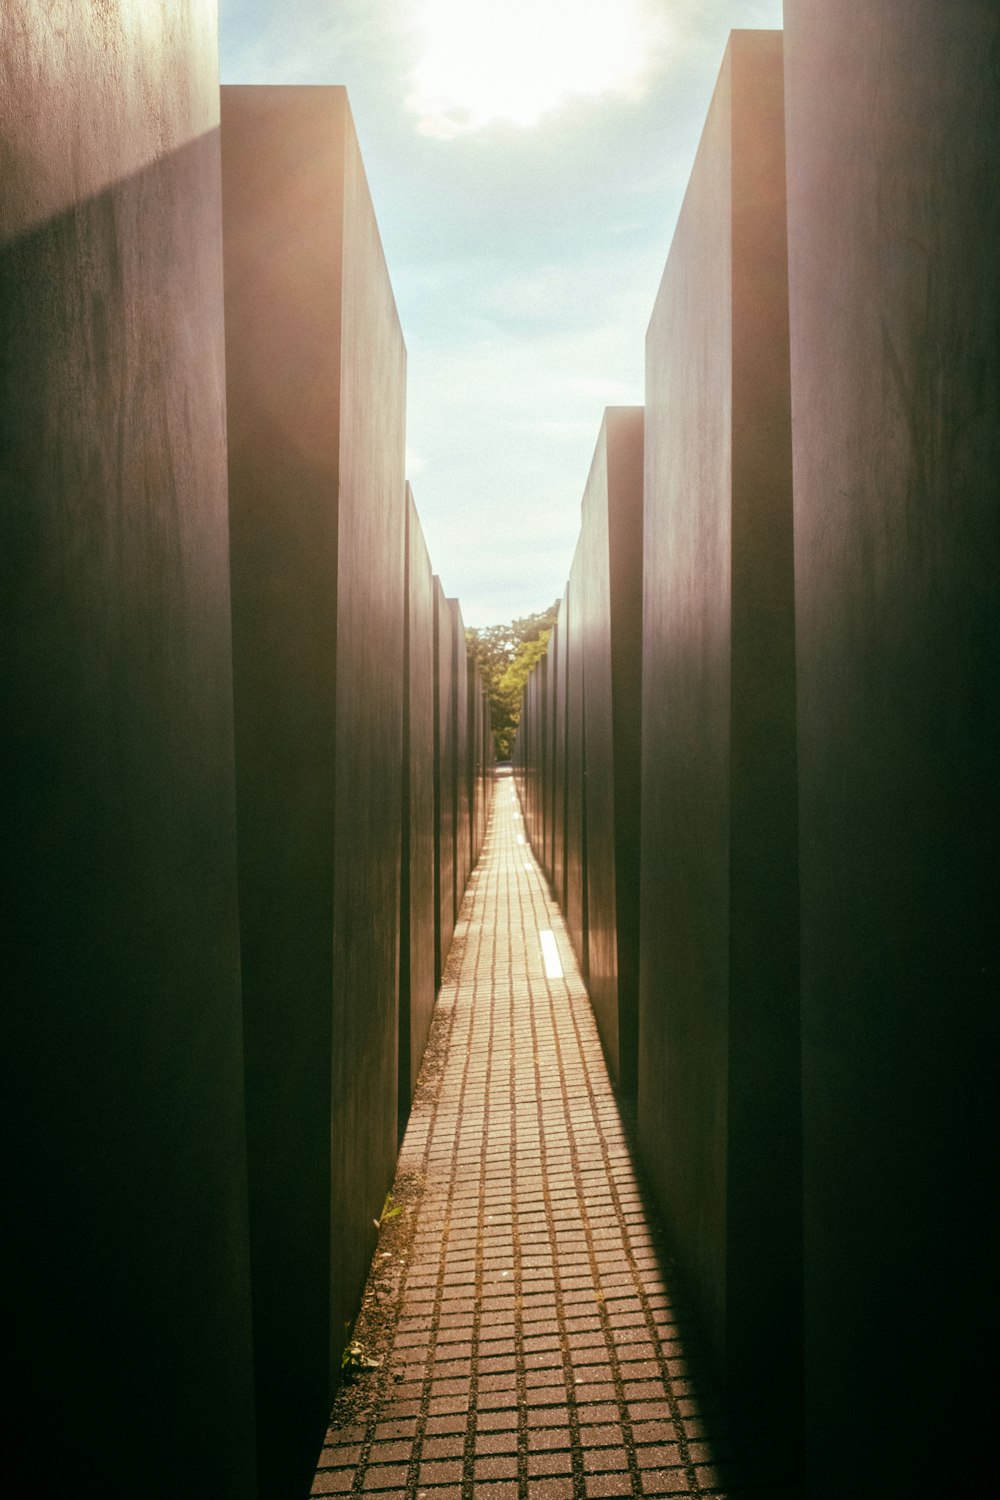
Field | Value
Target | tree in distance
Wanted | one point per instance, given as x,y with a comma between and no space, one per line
506,655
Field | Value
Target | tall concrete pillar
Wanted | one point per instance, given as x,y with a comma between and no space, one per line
444,777
417,988
609,629
128,1321
316,393
718,1096
460,712
894,220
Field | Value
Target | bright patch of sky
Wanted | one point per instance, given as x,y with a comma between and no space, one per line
527,160
482,61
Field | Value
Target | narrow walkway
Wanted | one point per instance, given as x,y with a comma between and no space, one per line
529,1346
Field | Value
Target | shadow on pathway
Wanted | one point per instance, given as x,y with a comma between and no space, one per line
530,1348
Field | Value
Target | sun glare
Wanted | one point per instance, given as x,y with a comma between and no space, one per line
516,60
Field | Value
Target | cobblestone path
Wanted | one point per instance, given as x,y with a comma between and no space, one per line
529,1342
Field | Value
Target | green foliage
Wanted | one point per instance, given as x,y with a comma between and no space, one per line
355,1360
388,1212
506,655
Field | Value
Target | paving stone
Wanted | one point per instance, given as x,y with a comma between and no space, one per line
550,1463
531,1292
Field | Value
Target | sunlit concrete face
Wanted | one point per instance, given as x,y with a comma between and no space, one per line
126,1220
894,222
316,390
718,1081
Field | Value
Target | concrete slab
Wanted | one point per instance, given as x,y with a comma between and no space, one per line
608,625
126,1215
719,1100
444,776
894,218
316,394
417,987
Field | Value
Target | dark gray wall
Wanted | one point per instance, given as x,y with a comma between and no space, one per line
894,218
462,730
476,763
558,654
126,1219
549,752
444,778
718,1048
575,899
370,572
487,764
609,629
417,988
316,385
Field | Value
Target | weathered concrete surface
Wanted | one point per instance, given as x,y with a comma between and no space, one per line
609,630
462,730
575,903
316,388
478,789
894,218
528,767
558,655
550,745
444,779
126,1219
718,1097
417,988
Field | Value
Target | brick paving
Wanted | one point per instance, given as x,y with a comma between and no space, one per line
532,1348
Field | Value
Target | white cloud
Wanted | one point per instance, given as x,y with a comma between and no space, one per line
524,261
519,60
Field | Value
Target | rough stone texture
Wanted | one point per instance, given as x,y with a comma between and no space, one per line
718,1096
533,1342
417,988
126,1218
316,390
608,627
894,215
444,778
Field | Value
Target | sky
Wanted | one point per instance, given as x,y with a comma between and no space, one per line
527,160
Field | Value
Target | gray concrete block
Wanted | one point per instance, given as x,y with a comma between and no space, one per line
316,392
894,219
444,777
609,629
551,699
718,1078
558,655
417,988
460,791
126,1214
575,900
